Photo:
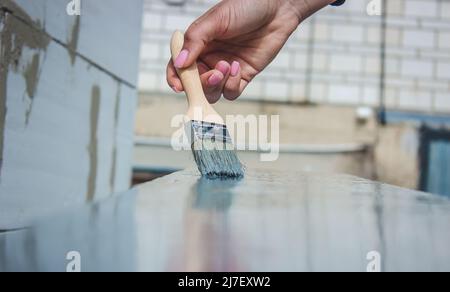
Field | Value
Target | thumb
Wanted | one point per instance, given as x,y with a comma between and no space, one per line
198,35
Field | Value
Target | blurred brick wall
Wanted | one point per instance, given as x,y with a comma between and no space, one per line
334,57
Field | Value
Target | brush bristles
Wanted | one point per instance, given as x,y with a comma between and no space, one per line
215,160
213,150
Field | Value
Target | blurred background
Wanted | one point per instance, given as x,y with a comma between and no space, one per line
357,91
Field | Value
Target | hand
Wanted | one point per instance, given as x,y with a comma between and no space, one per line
236,40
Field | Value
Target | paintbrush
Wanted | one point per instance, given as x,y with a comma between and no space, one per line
210,140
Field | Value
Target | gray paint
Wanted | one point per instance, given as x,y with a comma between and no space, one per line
25,251
93,142
268,221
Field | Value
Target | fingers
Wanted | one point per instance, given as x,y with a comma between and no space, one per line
172,78
224,79
235,81
232,88
198,35
174,81
202,68
214,81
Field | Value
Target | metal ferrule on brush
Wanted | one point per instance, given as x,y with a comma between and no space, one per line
200,131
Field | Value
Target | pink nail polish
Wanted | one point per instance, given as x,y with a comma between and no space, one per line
215,79
175,89
223,67
181,59
235,67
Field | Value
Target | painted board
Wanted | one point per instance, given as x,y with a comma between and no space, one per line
268,221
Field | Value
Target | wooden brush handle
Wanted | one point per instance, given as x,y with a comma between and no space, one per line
193,87
189,76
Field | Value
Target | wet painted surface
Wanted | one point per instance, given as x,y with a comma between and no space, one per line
266,222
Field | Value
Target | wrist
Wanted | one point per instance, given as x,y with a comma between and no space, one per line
305,8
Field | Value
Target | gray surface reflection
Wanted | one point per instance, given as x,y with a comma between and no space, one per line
214,194
102,233
266,222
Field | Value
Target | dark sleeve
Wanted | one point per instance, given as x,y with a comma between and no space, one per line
338,3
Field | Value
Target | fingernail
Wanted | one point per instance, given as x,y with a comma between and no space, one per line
215,79
235,67
175,89
223,67
181,59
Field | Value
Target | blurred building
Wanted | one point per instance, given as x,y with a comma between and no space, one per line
356,92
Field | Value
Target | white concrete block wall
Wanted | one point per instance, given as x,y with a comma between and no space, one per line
334,57
67,138
422,52
443,70
421,8
344,55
